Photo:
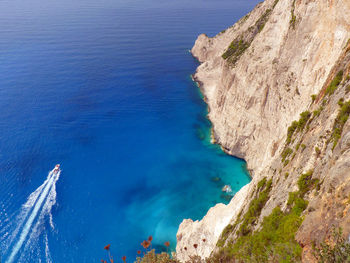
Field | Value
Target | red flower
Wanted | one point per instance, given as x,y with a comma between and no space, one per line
195,246
124,258
145,244
167,244
107,247
150,238
139,252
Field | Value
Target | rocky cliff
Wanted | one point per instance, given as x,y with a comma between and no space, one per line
282,59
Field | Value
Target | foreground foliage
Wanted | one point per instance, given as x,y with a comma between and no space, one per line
337,250
255,207
153,257
274,240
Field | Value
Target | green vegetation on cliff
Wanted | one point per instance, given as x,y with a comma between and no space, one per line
274,240
240,44
335,83
297,126
339,122
235,50
293,17
337,249
263,189
255,207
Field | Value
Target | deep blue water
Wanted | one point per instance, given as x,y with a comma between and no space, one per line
104,88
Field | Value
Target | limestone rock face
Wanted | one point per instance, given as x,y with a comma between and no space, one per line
292,54
252,104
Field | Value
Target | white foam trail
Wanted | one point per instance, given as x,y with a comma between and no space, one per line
36,198
47,250
24,213
38,227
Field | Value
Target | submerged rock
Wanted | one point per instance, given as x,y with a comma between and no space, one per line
215,179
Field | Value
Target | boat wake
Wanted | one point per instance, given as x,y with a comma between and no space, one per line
29,223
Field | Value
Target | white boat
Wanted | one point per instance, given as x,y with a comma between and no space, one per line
57,168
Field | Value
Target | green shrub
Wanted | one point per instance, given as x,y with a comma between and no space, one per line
293,156
313,97
254,210
305,182
318,151
263,189
153,257
260,24
335,251
239,45
292,21
291,130
224,235
339,122
297,125
292,197
275,240
293,18
286,152
324,102
335,83
299,206
235,50
275,3
317,112
261,183
304,117
341,102
303,146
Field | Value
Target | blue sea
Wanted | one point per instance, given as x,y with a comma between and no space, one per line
104,88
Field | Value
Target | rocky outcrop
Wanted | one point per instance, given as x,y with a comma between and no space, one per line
257,77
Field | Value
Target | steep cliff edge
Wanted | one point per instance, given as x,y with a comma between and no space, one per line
257,77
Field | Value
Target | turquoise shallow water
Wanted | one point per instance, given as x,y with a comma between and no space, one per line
104,88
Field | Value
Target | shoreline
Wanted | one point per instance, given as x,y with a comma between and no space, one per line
218,216
213,140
